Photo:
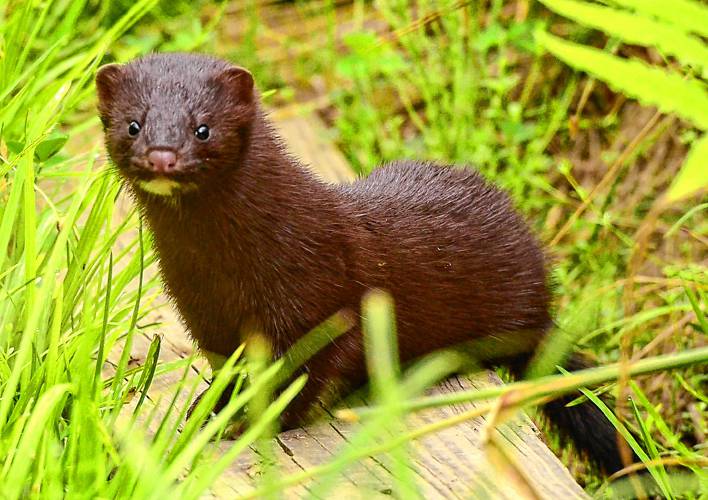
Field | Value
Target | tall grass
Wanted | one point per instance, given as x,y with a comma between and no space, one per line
443,90
77,272
70,295
66,298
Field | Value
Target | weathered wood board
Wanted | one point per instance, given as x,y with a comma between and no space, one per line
451,463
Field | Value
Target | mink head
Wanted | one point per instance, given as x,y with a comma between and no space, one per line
175,122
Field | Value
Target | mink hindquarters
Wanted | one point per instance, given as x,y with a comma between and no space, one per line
248,240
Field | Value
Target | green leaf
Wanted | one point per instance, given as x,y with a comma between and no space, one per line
15,147
493,36
50,146
636,29
686,14
367,55
42,413
693,175
645,433
651,86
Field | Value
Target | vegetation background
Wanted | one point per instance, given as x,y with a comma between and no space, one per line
591,114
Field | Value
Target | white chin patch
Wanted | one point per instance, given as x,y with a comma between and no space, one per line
160,186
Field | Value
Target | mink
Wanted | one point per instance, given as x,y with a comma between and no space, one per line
248,239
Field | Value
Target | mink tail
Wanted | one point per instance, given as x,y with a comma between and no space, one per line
585,425
582,424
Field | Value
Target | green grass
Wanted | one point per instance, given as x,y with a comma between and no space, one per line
471,86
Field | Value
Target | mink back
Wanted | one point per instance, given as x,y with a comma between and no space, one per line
459,261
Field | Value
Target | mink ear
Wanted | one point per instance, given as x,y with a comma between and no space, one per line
239,81
107,81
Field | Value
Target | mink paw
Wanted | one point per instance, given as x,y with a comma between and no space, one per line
220,404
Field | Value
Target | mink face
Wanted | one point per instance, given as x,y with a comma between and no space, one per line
172,122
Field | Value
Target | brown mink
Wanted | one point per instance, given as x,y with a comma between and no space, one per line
249,240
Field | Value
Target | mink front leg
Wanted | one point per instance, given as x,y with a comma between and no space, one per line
224,399
337,368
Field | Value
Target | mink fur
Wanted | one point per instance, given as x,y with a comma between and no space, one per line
250,240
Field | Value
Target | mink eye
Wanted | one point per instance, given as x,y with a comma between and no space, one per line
133,128
202,132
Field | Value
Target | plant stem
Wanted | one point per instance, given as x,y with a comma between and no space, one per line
552,384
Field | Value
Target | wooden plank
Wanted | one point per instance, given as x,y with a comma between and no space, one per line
451,463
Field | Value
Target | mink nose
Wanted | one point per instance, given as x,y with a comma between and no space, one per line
162,161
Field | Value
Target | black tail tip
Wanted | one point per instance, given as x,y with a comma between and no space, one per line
589,430
586,426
